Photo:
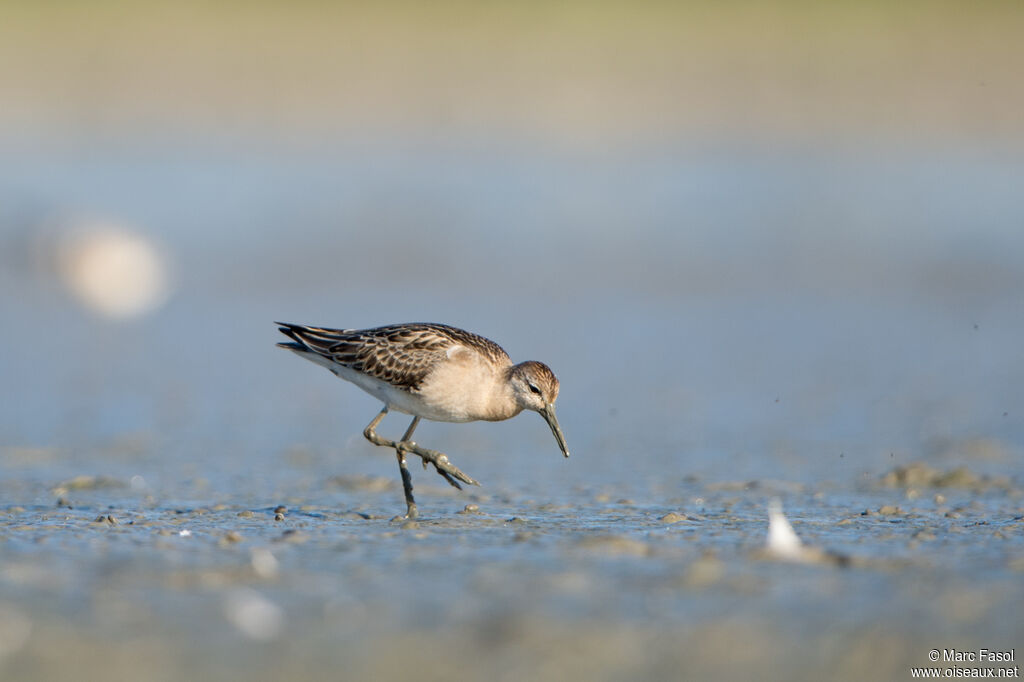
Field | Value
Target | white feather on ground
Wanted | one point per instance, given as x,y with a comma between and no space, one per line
782,539
783,544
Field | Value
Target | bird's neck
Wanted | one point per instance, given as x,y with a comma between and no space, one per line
503,404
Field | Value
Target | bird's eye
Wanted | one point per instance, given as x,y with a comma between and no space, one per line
534,389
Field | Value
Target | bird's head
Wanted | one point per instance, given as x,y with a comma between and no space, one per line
536,388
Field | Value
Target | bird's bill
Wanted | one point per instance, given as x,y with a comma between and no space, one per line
549,416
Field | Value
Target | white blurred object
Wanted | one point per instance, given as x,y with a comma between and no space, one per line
784,545
254,615
782,539
264,563
113,270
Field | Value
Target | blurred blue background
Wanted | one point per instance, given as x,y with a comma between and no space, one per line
748,238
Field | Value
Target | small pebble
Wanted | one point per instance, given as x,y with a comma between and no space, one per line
889,510
246,514
672,517
280,509
279,516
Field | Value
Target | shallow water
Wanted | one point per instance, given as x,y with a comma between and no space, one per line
849,317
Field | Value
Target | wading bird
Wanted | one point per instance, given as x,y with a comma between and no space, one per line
431,371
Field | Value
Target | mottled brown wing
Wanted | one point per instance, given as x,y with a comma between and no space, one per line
402,354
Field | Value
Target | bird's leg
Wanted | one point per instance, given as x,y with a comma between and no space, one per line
370,432
444,466
410,503
371,435
449,471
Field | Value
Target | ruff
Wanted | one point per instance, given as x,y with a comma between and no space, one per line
430,371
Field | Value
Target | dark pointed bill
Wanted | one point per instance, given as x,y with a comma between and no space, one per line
549,416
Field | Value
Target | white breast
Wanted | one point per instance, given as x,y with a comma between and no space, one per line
465,388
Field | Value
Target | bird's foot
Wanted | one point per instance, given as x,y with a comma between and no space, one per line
442,464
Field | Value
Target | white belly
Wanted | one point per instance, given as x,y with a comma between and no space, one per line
463,389
404,401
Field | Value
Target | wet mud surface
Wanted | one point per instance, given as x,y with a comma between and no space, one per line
608,583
